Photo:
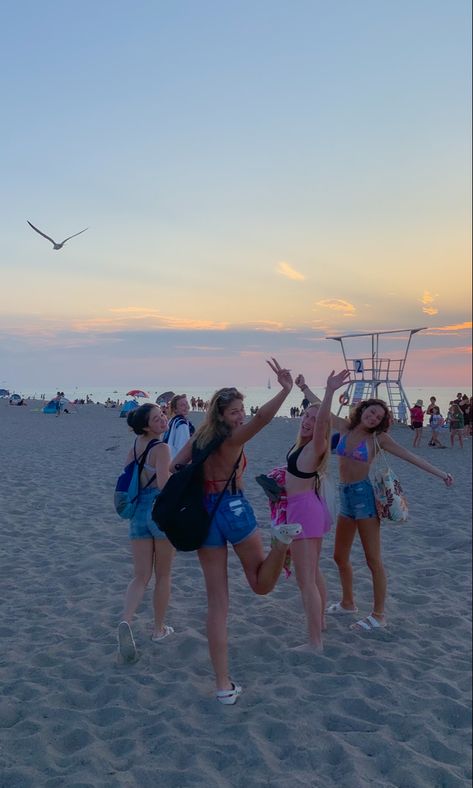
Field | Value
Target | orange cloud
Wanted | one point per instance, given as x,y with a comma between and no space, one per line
337,305
456,327
427,300
288,271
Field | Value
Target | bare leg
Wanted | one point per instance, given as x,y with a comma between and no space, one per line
163,557
305,554
344,536
213,561
370,535
261,572
142,551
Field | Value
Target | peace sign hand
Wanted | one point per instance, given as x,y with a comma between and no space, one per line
283,375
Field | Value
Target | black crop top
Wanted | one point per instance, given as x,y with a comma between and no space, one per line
292,465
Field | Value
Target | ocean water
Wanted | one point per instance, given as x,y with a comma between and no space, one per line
253,395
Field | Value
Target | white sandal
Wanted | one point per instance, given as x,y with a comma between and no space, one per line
337,609
368,624
230,696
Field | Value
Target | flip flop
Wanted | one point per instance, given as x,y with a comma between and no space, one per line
368,624
229,697
126,643
336,609
163,634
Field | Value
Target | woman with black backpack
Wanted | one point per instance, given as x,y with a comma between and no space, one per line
234,521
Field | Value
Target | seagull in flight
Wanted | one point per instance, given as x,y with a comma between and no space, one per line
54,243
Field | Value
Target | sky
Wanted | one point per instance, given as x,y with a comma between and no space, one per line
255,176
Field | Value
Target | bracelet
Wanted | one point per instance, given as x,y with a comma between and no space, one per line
305,386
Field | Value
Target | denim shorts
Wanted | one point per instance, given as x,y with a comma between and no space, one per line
142,526
357,500
233,521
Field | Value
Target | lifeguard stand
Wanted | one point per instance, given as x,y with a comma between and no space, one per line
371,375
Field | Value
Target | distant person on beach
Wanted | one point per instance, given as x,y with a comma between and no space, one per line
356,451
306,459
402,412
465,409
180,429
234,521
456,424
150,548
436,422
417,422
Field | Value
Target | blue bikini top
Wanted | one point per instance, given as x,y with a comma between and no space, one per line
360,453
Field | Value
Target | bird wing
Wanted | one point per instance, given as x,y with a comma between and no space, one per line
73,236
39,231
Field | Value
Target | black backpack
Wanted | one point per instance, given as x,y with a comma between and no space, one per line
179,509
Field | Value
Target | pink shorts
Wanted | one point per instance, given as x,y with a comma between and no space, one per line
311,512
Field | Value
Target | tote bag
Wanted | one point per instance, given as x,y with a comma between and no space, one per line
391,503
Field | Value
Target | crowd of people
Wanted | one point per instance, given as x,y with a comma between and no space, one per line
166,443
457,421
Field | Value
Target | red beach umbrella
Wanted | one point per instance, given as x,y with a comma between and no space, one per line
137,393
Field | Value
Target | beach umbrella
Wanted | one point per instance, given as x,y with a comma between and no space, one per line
164,398
137,393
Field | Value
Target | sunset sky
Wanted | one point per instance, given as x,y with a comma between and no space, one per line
255,175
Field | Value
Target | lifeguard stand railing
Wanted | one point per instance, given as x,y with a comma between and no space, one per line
375,376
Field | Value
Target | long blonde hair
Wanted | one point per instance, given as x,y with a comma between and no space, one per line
213,425
322,466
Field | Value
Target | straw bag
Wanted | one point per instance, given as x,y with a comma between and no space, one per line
391,503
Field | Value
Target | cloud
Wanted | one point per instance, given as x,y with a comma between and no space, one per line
428,300
289,272
337,305
453,328
204,348
137,319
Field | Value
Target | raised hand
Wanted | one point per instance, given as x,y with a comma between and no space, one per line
283,375
335,381
300,381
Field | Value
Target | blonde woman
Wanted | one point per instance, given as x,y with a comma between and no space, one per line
305,460
234,521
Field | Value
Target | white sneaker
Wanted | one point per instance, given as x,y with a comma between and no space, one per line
287,531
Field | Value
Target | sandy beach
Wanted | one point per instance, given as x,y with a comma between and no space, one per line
387,709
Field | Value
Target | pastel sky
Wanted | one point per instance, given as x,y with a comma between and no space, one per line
255,175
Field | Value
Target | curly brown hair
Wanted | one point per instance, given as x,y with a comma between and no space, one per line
355,417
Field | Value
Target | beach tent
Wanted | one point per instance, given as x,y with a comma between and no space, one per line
50,407
131,404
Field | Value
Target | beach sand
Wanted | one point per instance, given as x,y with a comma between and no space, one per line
387,709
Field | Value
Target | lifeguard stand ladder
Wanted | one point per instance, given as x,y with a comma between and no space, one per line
370,374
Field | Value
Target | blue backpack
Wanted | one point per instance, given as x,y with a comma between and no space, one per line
127,490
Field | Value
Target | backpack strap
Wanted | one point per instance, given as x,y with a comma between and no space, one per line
142,460
231,479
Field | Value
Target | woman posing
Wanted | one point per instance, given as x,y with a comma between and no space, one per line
149,546
356,451
305,460
180,429
234,521
417,422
